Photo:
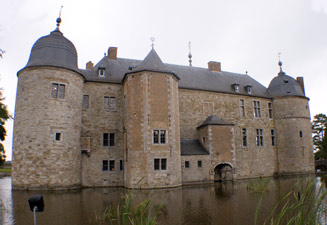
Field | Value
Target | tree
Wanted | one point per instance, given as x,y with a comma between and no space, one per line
4,116
2,52
319,128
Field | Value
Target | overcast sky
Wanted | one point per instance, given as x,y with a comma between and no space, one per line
244,35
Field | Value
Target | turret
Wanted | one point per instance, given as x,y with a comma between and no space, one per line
152,150
47,125
292,125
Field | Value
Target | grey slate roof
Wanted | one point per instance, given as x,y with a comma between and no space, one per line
192,147
54,50
213,120
284,85
190,77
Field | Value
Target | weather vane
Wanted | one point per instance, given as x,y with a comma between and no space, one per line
189,54
59,18
152,41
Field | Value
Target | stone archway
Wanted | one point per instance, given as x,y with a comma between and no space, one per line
223,172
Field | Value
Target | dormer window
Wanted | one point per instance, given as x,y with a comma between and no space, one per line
101,72
248,88
285,81
236,87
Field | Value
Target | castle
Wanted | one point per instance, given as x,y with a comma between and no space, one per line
148,124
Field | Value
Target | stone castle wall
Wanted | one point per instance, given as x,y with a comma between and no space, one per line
40,161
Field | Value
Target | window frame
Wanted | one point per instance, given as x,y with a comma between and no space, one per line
86,102
58,90
244,137
112,139
111,165
199,163
273,137
256,109
159,137
270,110
58,136
242,108
105,165
105,140
160,164
101,72
259,137
187,164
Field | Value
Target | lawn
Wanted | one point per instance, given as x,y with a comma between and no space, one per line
5,170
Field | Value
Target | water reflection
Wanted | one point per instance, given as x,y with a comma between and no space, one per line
217,204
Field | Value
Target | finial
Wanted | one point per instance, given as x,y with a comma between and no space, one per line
189,54
246,72
59,18
152,41
280,64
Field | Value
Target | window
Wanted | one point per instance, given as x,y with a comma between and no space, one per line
112,165
112,139
270,110
248,88
109,103
105,139
273,137
187,164
85,101
203,140
160,164
236,87
207,108
199,163
301,134
242,108
105,165
61,91
58,90
58,136
256,109
121,165
259,137
156,164
159,139
101,72
244,137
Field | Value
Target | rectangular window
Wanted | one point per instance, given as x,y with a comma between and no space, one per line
105,139
156,164
112,165
58,136
187,164
244,137
54,90
259,137
256,109
160,164
101,72
112,139
61,91
121,165
199,163
301,134
242,108
85,101
109,103
105,165
159,136
270,110
163,164
273,137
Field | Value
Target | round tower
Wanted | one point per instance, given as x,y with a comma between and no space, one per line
47,125
291,116
152,148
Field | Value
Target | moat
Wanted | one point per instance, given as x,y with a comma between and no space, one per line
229,203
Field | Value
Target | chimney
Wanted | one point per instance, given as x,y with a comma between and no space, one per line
89,65
112,53
214,66
301,83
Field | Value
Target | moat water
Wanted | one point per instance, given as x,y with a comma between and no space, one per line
229,203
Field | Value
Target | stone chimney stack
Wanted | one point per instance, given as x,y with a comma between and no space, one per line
112,53
214,66
301,83
89,65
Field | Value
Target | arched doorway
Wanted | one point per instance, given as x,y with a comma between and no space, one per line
223,171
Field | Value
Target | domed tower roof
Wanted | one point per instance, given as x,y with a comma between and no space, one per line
284,85
54,50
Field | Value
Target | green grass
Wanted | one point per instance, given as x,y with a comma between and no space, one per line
302,205
5,170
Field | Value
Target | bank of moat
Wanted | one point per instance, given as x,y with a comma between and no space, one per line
126,122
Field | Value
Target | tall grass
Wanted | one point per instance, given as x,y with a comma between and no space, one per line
303,205
125,214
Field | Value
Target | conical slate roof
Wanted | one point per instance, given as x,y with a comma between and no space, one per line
213,120
54,50
152,62
284,85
